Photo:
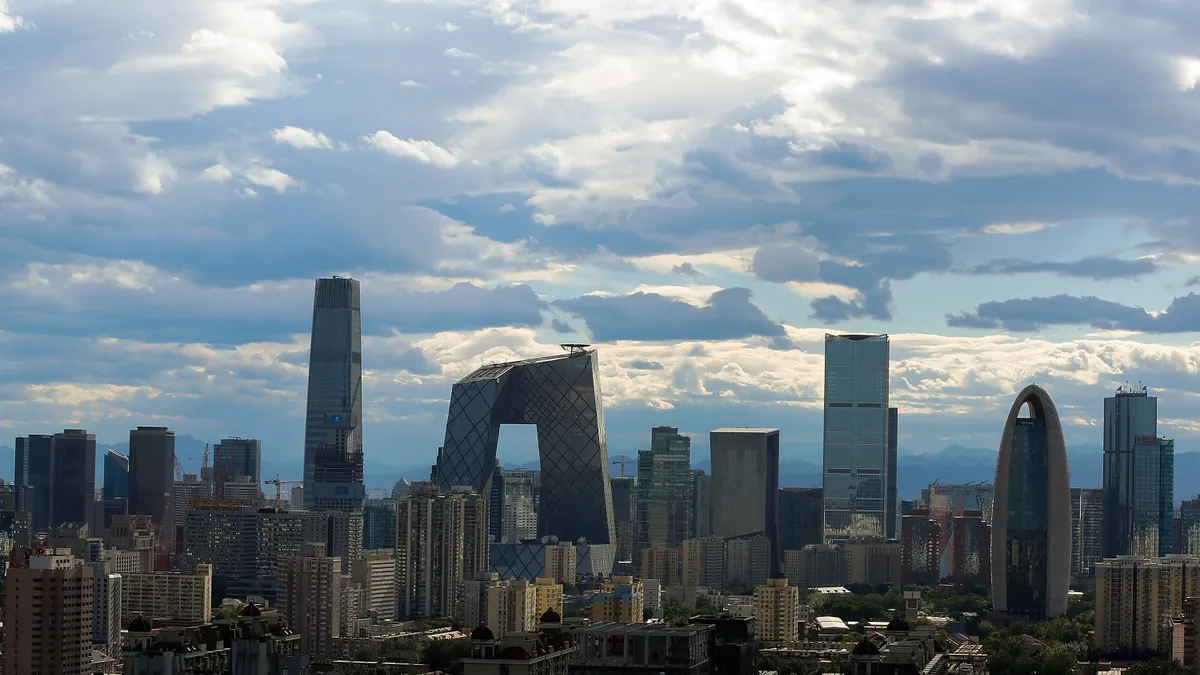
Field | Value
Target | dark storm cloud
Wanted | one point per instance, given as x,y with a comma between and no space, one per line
1030,314
1099,268
561,326
728,315
686,269
852,156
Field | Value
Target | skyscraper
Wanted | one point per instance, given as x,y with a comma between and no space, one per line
152,476
701,504
920,549
441,541
971,554
624,492
799,518
1031,514
1087,530
893,449
48,614
664,489
1189,526
857,488
561,396
333,447
1138,476
236,457
116,476
310,596
33,474
745,485
73,491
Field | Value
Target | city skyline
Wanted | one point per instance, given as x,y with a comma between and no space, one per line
161,248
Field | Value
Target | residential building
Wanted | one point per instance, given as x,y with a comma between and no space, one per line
1031,518
560,561
745,485
310,599
662,563
642,649
858,491
1087,530
872,560
748,561
800,519
168,595
256,643
441,541
971,556
333,446
549,596
692,559
376,572
1184,632
116,476
152,477
1139,476
777,612
701,504
47,614
106,610
620,601
379,524
815,566
920,549
546,652
664,488
560,395
510,607
1136,600
716,562
1189,526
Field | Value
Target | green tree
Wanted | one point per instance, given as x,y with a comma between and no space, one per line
1158,667
447,655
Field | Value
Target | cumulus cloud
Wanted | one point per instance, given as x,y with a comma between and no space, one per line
275,179
426,152
1093,267
651,316
304,139
10,22
1183,315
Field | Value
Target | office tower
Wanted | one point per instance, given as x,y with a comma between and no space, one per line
1136,599
893,451
152,476
116,476
777,610
1138,475
561,396
1189,526
799,518
1087,533
745,485
815,566
237,460
872,560
32,477
857,488
920,549
333,446
549,596
168,595
47,614
106,610
376,572
1031,515
73,477
560,561
661,562
135,534
624,491
748,560
441,541
310,599
971,557
664,490
621,600
510,607
379,524
701,504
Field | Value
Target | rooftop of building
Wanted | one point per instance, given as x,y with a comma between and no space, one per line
745,430
613,628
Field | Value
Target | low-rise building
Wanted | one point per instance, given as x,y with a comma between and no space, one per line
646,649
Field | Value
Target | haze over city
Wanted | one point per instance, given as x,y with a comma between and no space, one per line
702,190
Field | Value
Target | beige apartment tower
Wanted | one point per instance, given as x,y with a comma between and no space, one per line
376,573
622,601
777,612
47,614
441,542
661,562
549,596
310,599
511,607
168,595
560,562
1137,598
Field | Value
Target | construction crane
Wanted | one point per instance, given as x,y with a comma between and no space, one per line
278,484
623,462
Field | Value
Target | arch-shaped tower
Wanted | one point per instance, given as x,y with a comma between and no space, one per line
1031,513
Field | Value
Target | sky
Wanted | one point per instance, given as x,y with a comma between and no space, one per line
702,189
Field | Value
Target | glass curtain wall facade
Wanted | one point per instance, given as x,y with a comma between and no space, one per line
561,396
1087,533
1130,422
857,489
73,484
32,476
116,476
333,448
664,490
1031,516
239,457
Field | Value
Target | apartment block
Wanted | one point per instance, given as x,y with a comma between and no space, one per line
376,572
1137,598
661,562
310,599
168,595
621,601
549,596
511,607
441,541
47,614
777,611
560,562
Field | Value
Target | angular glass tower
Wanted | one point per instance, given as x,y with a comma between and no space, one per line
561,396
857,489
333,449
1031,515
1139,475
116,475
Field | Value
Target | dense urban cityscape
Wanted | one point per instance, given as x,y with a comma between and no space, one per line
568,568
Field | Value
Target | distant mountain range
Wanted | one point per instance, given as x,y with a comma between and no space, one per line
953,464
